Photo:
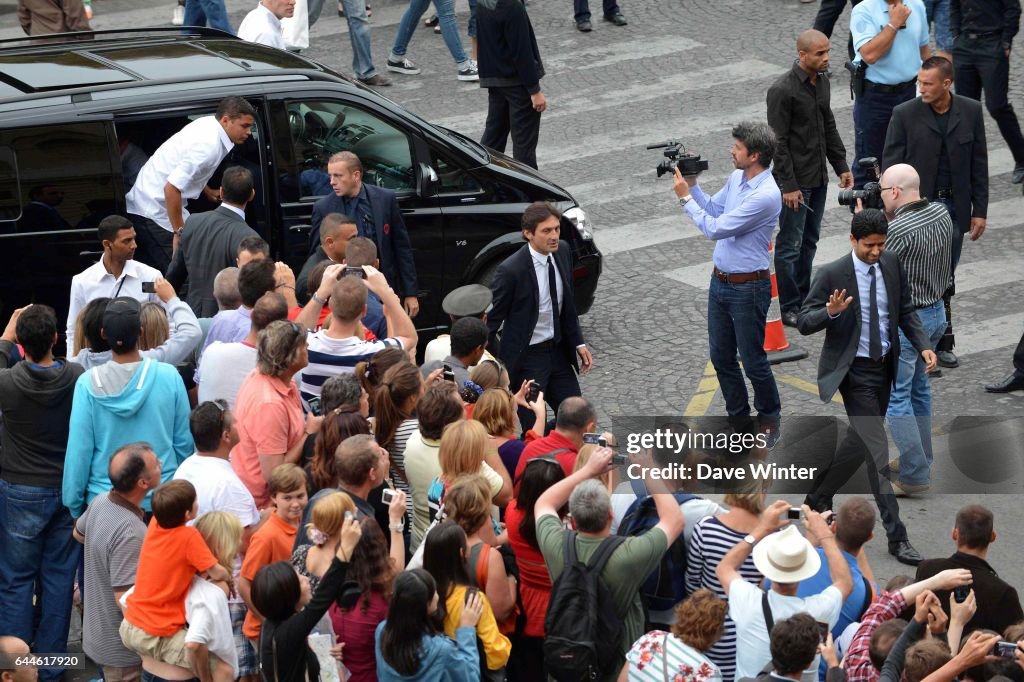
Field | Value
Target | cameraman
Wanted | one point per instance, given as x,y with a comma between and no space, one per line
740,219
921,236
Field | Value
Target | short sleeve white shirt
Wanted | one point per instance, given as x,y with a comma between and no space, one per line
261,26
223,368
96,282
186,160
218,488
209,621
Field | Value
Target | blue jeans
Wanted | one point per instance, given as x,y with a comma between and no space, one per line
910,402
736,321
37,547
795,247
358,33
446,20
581,9
937,11
210,13
871,114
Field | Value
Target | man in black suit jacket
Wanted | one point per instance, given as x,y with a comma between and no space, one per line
534,343
942,135
377,216
862,347
209,242
998,602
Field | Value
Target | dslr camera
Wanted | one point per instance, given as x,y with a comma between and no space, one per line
676,156
871,195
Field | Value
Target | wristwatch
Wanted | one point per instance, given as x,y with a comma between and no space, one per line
316,297
684,200
750,539
397,526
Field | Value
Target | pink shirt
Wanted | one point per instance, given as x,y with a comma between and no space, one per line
268,414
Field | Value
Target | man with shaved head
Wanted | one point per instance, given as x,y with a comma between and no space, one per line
921,236
335,231
800,114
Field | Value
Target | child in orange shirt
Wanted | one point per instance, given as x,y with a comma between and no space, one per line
172,553
274,539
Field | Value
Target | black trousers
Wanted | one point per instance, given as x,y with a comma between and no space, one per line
510,110
827,16
865,392
548,365
155,244
981,64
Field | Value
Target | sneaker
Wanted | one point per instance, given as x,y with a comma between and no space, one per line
341,8
377,80
470,73
584,26
437,29
403,66
369,11
616,19
178,17
432,21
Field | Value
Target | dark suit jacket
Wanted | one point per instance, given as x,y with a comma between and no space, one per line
517,301
998,603
913,138
843,333
393,247
209,243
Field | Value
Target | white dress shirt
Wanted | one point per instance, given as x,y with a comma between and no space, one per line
545,330
187,160
864,291
96,282
261,26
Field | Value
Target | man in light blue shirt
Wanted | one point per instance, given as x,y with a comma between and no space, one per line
740,219
891,38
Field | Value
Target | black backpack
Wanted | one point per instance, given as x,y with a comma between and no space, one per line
666,586
583,627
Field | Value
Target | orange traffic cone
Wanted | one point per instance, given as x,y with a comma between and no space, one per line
775,343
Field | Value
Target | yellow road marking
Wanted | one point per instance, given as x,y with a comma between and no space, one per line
700,403
806,386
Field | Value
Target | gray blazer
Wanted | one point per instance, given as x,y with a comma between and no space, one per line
842,334
209,243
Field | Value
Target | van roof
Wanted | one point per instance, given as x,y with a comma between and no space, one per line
77,61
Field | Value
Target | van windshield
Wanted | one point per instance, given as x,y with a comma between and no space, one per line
478,149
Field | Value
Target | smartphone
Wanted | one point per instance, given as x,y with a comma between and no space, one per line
960,593
354,271
533,392
349,515
620,460
149,287
823,631
448,374
793,514
1006,649
469,594
314,405
387,496
594,439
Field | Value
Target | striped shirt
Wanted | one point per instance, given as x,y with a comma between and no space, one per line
397,453
648,658
712,540
329,357
921,236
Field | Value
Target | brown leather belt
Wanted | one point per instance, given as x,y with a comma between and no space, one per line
741,277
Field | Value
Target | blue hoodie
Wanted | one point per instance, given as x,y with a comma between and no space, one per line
116,404
441,659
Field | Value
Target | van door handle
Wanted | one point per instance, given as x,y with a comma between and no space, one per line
300,228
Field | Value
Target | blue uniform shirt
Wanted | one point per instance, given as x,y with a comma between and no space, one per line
901,63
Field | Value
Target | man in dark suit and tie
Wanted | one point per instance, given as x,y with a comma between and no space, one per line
377,216
860,300
209,242
535,313
942,135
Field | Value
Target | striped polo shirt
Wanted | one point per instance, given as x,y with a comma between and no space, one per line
329,357
921,236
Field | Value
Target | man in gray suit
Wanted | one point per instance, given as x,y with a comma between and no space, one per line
860,313
209,242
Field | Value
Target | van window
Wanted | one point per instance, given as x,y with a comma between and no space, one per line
320,128
55,178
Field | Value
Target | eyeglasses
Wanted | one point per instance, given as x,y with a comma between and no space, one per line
300,333
221,405
885,189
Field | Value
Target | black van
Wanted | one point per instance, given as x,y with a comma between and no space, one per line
73,113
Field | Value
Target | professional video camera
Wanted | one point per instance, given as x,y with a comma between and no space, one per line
688,164
871,195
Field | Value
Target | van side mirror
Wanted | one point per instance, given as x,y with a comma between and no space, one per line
428,181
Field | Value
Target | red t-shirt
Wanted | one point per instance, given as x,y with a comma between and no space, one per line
356,629
534,579
542,446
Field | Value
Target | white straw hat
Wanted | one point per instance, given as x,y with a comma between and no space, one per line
786,557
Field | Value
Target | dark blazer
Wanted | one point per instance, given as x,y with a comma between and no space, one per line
998,603
516,303
913,138
393,246
209,243
842,334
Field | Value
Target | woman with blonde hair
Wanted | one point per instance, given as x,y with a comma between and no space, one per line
206,605
468,503
467,450
699,621
712,538
155,327
496,410
583,456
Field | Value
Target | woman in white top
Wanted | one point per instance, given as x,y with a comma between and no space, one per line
210,637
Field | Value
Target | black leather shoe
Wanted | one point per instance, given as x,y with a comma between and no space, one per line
819,503
1018,174
1012,382
620,20
905,553
947,358
584,26
790,318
